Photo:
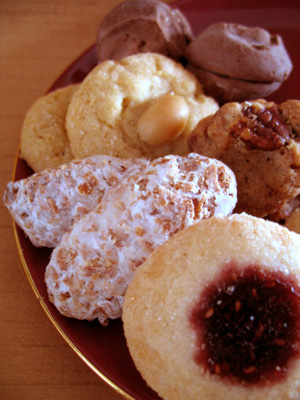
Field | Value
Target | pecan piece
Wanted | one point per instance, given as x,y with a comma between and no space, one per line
262,128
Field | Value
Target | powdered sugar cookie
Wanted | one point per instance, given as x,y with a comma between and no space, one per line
44,141
46,204
115,110
90,269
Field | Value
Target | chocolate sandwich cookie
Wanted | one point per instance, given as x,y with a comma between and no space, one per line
235,62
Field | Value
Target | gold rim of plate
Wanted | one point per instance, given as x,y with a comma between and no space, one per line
48,313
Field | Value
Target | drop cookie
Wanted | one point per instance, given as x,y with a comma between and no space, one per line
214,313
260,142
115,110
44,140
143,26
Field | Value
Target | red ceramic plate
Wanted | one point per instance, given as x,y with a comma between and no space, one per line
104,348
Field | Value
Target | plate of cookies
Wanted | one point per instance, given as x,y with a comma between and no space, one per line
156,200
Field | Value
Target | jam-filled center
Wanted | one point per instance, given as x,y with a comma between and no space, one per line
248,325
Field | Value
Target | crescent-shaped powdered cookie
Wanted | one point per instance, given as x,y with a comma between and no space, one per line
46,204
90,269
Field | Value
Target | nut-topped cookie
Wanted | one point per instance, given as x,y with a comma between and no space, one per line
214,313
260,142
110,112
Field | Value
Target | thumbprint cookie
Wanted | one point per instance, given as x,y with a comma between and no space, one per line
214,313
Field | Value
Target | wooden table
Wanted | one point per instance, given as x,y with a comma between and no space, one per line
38,40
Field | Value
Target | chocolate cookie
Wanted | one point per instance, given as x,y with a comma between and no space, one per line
141,26
236,63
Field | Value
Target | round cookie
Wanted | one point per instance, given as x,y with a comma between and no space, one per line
143,26
214,313
260,142
236,62
44,141
104,114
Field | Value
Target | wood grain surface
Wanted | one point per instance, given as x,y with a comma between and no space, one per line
38,40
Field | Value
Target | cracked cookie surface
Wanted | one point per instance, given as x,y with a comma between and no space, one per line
104,113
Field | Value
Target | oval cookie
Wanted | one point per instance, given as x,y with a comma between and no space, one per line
90,269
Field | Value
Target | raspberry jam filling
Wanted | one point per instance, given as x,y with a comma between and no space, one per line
248,325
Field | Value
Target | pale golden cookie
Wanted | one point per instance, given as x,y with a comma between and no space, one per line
44,141
104,115
214,312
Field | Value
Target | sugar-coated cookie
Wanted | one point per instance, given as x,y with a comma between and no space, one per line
104,116
214,313
90,269
44,141
260,142
46,204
